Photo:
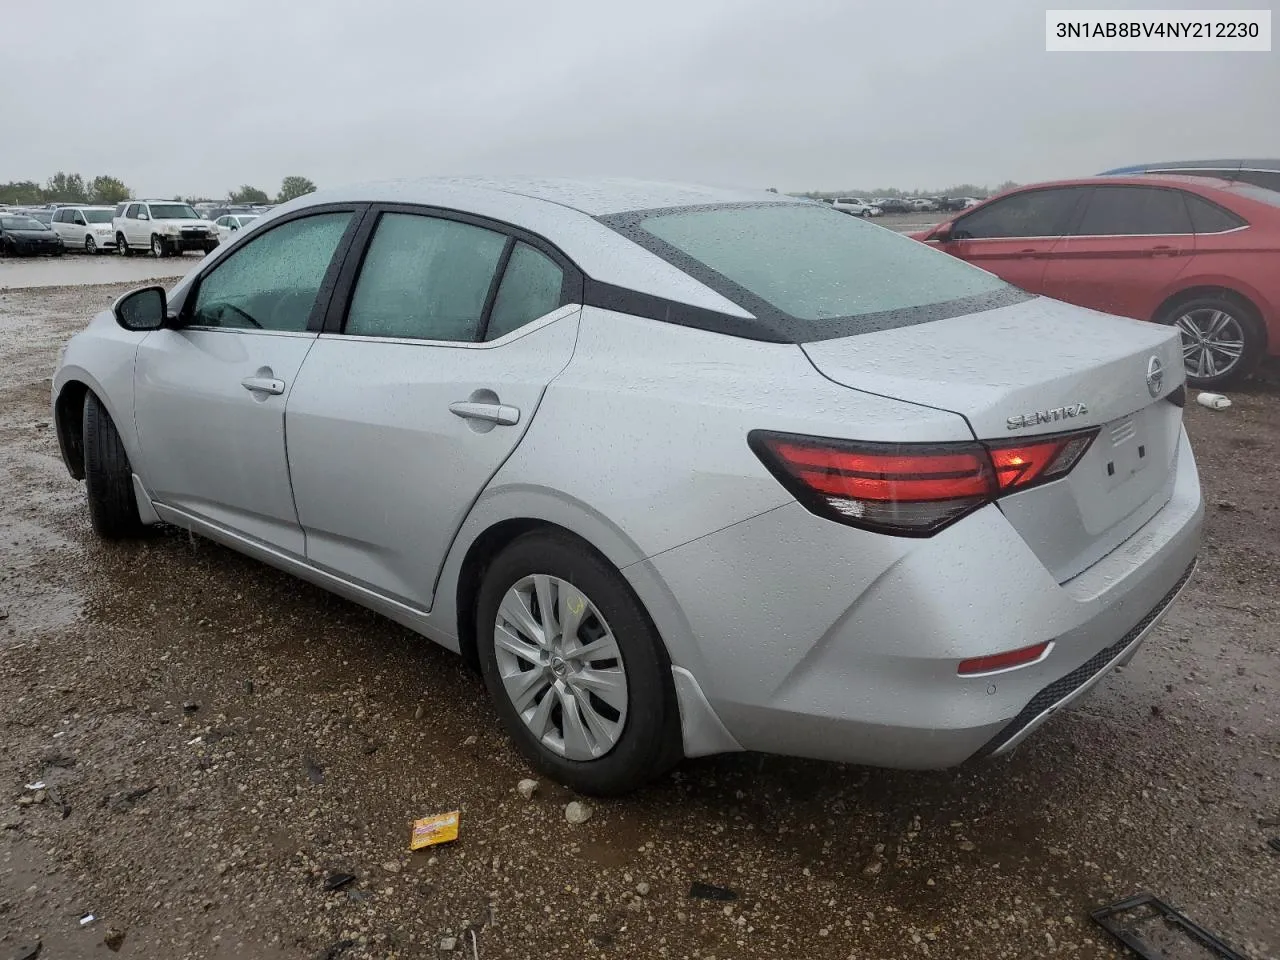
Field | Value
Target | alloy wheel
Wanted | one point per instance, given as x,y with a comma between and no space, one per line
561,667
90,245
1212,342
157,247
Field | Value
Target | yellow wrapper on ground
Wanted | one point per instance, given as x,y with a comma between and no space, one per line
429,831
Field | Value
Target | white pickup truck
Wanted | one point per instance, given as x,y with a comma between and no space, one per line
165,227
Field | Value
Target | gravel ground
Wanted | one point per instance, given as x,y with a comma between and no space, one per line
215,738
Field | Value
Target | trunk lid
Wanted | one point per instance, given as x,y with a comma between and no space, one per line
1041,367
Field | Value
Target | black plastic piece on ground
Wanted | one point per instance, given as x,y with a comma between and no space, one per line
336,881
1274,844
1110,919
29,952
707,891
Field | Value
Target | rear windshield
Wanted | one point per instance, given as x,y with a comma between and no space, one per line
815,272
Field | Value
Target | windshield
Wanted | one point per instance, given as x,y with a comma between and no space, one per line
20,223
809,263
173,211
97,216
249,219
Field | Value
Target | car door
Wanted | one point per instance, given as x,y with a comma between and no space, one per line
58,226
210,393
1013,236
1123,251
224,230
77,230
131,224
433,373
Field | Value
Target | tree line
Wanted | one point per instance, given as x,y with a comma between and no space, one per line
106,190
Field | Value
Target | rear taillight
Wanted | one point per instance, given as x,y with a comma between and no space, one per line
912,489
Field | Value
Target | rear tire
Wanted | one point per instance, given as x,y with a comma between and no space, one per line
1223,338
649,741
108,477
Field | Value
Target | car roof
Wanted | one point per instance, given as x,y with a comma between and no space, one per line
598,196
1228,164
1135,179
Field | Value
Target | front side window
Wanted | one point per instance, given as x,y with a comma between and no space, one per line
424,278
812,263
272,282
133,211
1133,212
97,216
1036,213
531,287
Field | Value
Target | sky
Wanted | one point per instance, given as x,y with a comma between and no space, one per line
196,98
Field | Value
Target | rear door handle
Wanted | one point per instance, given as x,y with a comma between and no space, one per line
263,385
1030,253
499,413
1164,250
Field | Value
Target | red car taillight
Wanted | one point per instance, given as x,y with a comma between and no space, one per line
912,489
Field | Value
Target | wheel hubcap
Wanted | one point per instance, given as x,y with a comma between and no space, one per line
1212,342
561,667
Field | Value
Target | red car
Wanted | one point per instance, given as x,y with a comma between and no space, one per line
1200,253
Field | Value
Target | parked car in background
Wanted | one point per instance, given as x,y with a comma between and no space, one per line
231,223
607,503
43,214
1260,173
923,203
1197,253
856,206
164,227
22,235
894,205
85,228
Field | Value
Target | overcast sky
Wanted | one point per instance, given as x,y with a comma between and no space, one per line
199,97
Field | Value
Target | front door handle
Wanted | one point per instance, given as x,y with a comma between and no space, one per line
263,385
1163,250
499,413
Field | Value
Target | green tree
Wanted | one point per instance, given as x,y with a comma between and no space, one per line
293,187
66,188
248,194
20,191
108,190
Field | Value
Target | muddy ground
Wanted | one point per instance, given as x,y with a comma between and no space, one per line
216,737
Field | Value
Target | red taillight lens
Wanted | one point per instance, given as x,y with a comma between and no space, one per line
911,489
1002,661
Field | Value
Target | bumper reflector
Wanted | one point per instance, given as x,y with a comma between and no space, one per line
1003,661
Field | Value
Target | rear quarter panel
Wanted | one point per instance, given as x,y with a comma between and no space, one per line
640,445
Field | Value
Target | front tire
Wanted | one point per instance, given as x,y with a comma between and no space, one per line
108,477
577,673
123,246
90,245
158,246
1222,338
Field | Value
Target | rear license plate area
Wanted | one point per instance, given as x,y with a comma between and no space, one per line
1125,450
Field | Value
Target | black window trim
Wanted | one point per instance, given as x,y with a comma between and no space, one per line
359,213
334,323
769,324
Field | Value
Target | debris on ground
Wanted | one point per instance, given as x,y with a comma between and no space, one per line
1214,401
1154,930
87,919
527,788
313,770
1274,844
448,944
427,832
29,952
709,891
336,881
114,939
578,812
335,950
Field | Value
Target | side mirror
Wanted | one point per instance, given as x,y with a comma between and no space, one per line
941,233
144,309
144,216
234,227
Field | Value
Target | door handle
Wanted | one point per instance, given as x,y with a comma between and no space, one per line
1164,250
1030,253
499,413
263,385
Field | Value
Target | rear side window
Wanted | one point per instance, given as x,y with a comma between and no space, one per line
425,278
1036,213
1208,217
530,288
810,263
1133,211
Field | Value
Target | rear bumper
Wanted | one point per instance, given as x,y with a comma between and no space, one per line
812,639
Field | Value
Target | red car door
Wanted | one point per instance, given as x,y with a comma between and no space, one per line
1123,252
1014,235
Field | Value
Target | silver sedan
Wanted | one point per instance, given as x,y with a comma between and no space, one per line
680,470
